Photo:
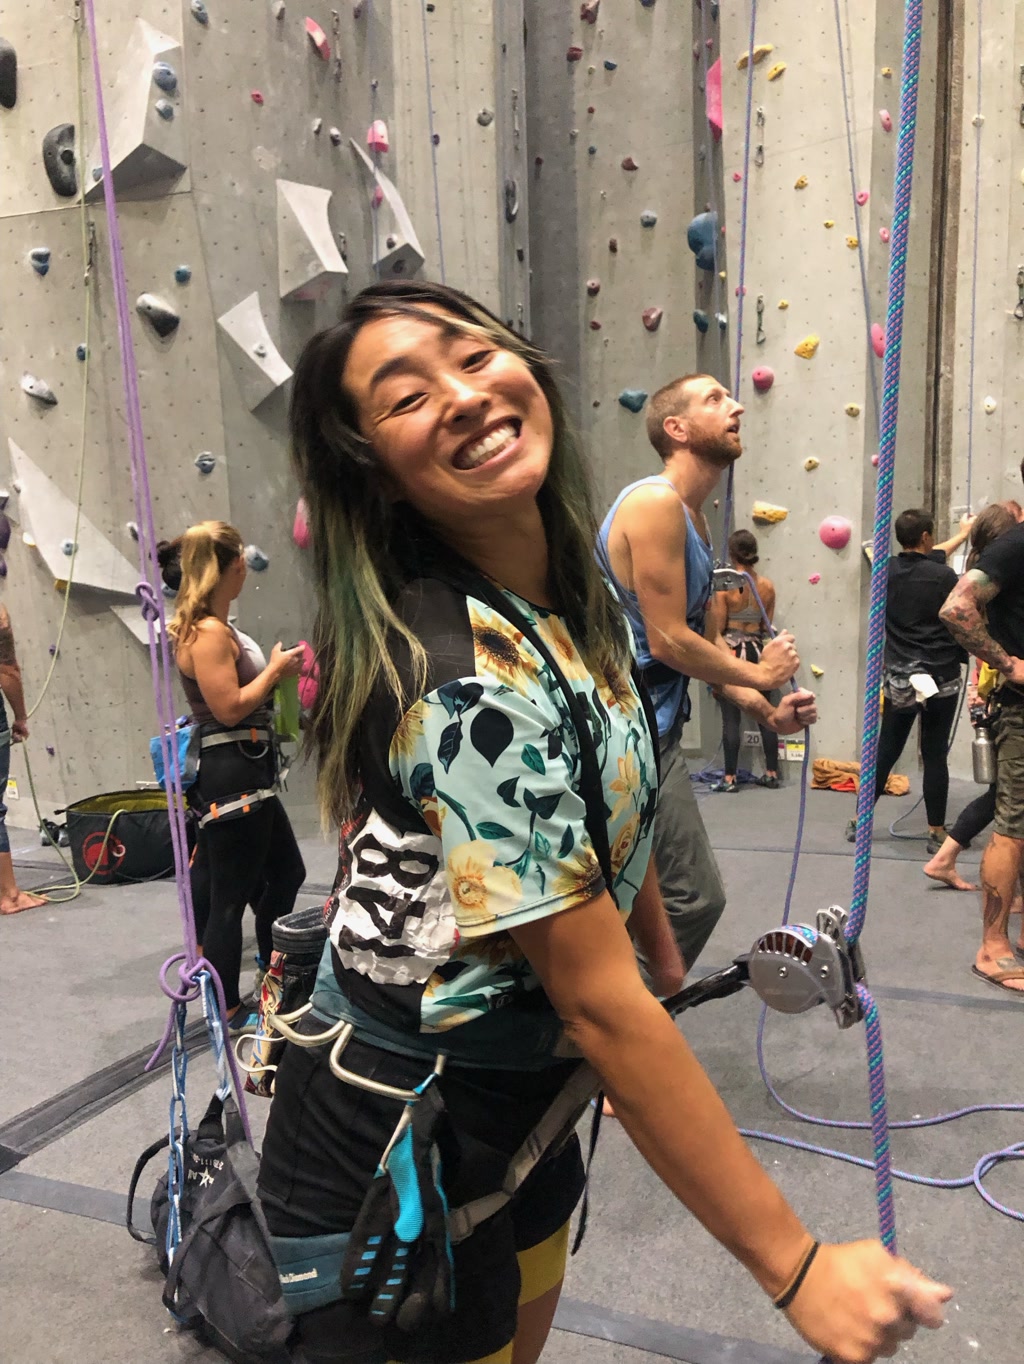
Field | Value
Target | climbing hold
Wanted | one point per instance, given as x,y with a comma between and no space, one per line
701,320
81,351
8,75
588,12
978,120
648,218
59,160
628,164
165,109
511,201
811,463
5,531
737,176
319,39
852,409
807,347
800,182
830,222
713,100
702,239
762,378
877,339
595,326
883,234
834,532
783,303
885,119
632,398
592,149
205,462
776,71
160,315
256,559
990,405
165,77
40,258
277,9
887,72
722,321
256,96
300,526
609,65
335,136
816,671
260,350
199,12
768,514
863,196
814,579
68,547
318,123
485,118
132,529
574,54
377,136
182,273
36,388
760,52
652,318
874,460
613,245
51,750
593,287
740,290
852,243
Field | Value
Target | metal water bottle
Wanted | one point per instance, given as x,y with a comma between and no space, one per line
983,756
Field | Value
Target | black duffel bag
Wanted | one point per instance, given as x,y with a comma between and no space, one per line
222,1283
121,836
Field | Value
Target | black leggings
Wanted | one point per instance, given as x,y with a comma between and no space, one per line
974,817
937,716
250,859
731,738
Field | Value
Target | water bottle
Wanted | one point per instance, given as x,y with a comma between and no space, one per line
983,756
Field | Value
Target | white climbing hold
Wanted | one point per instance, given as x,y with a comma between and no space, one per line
990,405
811,463
38,389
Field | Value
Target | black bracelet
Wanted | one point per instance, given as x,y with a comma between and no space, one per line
787,1295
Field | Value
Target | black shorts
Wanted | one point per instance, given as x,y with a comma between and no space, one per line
323,1141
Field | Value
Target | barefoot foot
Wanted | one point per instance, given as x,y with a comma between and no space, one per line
23,900
1005,972
606,1109
938,871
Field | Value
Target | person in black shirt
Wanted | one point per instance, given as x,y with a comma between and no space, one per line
922,664
985,613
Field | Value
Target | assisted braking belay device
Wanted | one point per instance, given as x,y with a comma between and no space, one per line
792,969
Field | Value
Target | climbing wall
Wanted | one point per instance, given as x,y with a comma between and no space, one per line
268,162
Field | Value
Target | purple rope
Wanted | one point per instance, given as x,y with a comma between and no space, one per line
150,595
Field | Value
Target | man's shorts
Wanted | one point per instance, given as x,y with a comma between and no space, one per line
1008,733
323,1141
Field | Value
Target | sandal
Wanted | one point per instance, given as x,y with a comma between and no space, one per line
1007,968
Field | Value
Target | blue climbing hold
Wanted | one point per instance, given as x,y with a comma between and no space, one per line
609,65
205,462
199,12
714,9
632,398
40,258
183,273
648,218
647,4
165,77
67,547
702,239
592,150
97,172
256,559
165,109
81,351
701,320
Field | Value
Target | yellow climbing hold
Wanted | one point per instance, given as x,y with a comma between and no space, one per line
830,222
807,347
887,71
760,52
721,274
60,585
852,243
801,182
783,303
816,671
853,409
767,514
811,463
776,71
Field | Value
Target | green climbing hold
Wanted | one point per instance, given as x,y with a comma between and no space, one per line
632,398
701,320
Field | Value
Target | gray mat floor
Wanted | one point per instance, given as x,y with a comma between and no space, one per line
80,994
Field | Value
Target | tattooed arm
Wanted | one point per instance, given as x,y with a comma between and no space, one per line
10,677
962,616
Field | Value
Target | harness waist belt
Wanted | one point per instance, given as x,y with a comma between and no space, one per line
234,736
243,802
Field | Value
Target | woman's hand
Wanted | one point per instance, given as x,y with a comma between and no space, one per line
858,1303
286,662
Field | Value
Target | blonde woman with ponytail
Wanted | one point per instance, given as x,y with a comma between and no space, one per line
245,857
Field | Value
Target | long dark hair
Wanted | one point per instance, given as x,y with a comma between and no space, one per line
363,542
987,526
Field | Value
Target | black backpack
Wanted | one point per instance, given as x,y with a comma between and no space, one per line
223,1282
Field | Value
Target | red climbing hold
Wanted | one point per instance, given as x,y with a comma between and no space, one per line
613,245
319,39
588,12
574,54
652,318
257,97
593,287
713,99
595,326
762,378
591,109
862,197
628,164
877,339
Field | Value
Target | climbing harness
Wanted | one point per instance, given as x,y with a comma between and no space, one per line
190,743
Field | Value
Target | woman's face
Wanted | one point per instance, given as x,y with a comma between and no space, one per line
460,425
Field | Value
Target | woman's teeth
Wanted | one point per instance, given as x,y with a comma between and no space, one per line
492,444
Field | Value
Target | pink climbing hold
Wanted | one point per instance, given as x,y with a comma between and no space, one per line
762,378
574,54
874,460
877,339
862,197
713,99
300,527
319,39
377,136
652,318
834,532
309,677
257,96
740,289
814,579
883,234
737,177
378,196
885,119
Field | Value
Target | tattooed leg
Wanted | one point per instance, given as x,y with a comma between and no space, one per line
1000,872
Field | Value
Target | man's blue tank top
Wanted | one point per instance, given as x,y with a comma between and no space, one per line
669,693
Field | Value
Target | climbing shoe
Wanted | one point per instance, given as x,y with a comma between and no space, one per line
769,782
257,980
935,842
244,1020
851,831
724,786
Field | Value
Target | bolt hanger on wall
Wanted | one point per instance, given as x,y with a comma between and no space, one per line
760,336
759,148
1018,312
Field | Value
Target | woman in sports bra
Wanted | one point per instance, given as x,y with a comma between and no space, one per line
246,853
741,625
